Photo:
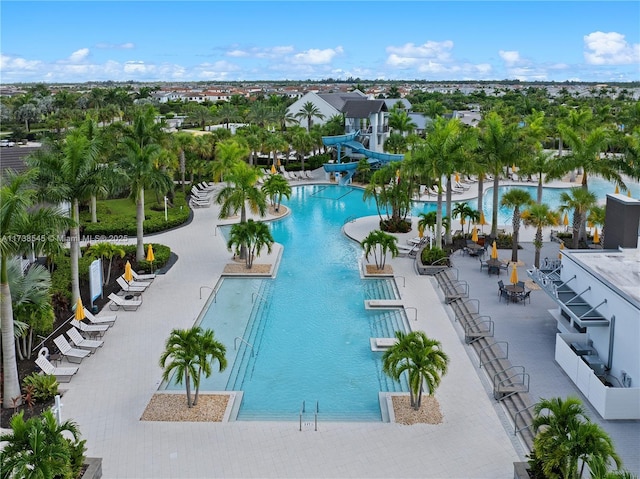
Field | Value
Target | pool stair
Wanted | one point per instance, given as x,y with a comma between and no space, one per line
383,303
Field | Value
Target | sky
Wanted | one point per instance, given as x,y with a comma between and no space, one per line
222,41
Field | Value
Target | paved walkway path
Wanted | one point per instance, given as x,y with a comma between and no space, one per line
108,395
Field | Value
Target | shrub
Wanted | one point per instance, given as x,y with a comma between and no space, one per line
393,226
161,252
433,255
45,386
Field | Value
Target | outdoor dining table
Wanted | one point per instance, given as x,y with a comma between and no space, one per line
513,290
493,266
474,249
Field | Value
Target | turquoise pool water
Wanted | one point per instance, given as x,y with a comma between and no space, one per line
305,336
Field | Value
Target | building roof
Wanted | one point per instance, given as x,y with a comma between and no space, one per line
363,108
337,100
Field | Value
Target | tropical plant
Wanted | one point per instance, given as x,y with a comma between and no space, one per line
39,449
566,439
599,469
421,358
45,386
180,357
228,154
308,112
400,121
19,219
464,211
392,195
250,236
208,350
379,242
106,251
580,201
515,198
540,216
276,187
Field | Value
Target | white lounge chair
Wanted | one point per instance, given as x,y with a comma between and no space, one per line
91,329
127,288
308,175
83,343
73,355
137,284
143,277
105,320
126,304
63,375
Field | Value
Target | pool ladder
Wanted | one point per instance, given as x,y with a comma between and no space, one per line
315,414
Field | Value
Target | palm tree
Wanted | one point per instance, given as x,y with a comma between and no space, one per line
250,236
19,219
401,121
106,251
228,154
516,199
379,241
429,220
73,176
599,469
421,358
464,211
540,216
580,201
274,143
302,142
541,164
499,146
182,142
276,187
392,194
241,190
38,448
208,350
181,356
308,112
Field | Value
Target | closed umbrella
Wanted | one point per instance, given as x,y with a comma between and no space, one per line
596,237
474,235
561,248
128,274
565,220
420,231
457,178
494,251
79,314
617,190
514,274
273,169
150,256
483,220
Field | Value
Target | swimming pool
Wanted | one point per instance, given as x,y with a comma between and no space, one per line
304,336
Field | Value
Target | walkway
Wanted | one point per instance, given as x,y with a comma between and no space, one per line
108,395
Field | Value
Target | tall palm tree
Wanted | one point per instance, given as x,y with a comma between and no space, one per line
499,145
276,187
180,356
274,143
308,112
70,175
540,216
421,358
108,251
208,350
379,241
250,236
516,199
182,142
400,121
228,154
23,226
580,201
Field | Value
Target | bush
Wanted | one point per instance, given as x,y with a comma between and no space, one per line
393,226
433,255
45,386
161,253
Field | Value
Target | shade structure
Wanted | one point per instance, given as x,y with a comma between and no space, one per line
128,274
474,235
273,169
150,255
596,237
494,250
514,274
79,314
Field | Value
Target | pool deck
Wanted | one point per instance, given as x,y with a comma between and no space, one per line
108,395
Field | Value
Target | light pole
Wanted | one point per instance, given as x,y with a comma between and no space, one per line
166,218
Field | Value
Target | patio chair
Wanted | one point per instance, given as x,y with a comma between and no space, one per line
127,288
308,175
483,264
118,302
136,284
73,355
63,375
143,277
78,340
104,320
92,330
502,292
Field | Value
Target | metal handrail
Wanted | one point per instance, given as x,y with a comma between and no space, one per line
578,295
208,287
235,344
415,309
516,429
404,280
257,295
473,299
593,309
489,347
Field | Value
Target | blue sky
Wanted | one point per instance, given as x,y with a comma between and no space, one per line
57,42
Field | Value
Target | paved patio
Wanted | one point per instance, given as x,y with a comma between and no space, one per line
108,395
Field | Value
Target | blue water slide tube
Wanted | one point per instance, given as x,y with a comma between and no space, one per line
333,167
335,140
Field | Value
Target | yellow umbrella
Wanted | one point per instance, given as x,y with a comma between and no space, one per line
561,248
457,178
273,169
494,250
420,231
474,235
483,220
79,315
629,193
514,274
596,237
565,220
128,274
150,255
617,190
279,164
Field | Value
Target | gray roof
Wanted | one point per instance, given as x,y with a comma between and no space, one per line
363,108
421,120
406,104
337,100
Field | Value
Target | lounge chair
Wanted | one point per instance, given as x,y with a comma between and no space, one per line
63,375
105,320
200,202
118,302
83,343
73,355
91,329
308,175
127,288
137,284
143,277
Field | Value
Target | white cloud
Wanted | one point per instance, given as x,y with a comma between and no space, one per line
258,52
8,63
510,57
116,46
315,56
410,54
610,49
79,55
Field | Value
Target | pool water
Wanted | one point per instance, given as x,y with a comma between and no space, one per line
305,336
